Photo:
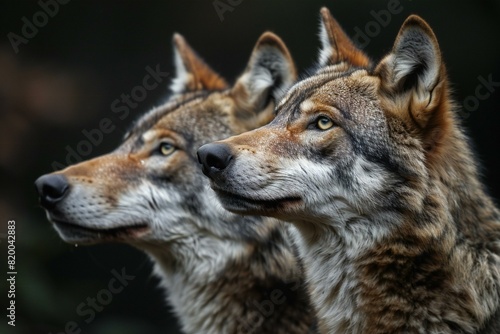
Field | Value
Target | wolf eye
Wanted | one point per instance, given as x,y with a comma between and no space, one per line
324,123
166,149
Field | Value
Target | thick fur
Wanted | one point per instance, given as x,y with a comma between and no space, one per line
371,166
223,273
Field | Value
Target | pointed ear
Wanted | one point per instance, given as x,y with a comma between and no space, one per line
192,73
336,46
414,70
270,71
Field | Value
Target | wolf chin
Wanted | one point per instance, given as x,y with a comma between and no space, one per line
370,164
223,273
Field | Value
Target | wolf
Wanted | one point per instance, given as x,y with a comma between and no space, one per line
223,273
370,164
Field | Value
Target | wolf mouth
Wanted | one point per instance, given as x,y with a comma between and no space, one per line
239,203
95,234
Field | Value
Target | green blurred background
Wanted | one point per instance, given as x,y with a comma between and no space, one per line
64,79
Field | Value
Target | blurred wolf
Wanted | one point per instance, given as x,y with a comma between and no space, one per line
371,166
223,273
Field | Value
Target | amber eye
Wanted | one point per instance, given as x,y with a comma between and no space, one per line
324,123
166,149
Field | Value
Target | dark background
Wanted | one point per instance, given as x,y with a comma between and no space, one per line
66,77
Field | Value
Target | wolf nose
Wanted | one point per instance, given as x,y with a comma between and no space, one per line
214,157
51,188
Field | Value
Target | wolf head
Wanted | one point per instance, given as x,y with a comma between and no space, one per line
370,165
149,191
351,139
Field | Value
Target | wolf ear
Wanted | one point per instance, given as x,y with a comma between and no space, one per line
414,69
336,46
192,73
270,71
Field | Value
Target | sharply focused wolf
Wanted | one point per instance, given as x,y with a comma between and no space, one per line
223,273
372,167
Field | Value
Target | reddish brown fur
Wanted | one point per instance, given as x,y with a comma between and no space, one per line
344,49
202,76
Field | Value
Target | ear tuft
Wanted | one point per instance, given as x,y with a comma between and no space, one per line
415,60
270,72
414,73
417,55
336,46
192,74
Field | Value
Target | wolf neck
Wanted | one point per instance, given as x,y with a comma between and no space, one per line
235,286
472,209
330,260
434,268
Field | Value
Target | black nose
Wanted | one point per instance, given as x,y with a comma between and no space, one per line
214,157
51,188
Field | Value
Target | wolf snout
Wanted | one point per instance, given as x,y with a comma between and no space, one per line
214,158
51,188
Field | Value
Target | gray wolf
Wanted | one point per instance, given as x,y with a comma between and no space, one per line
223,273
371,166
